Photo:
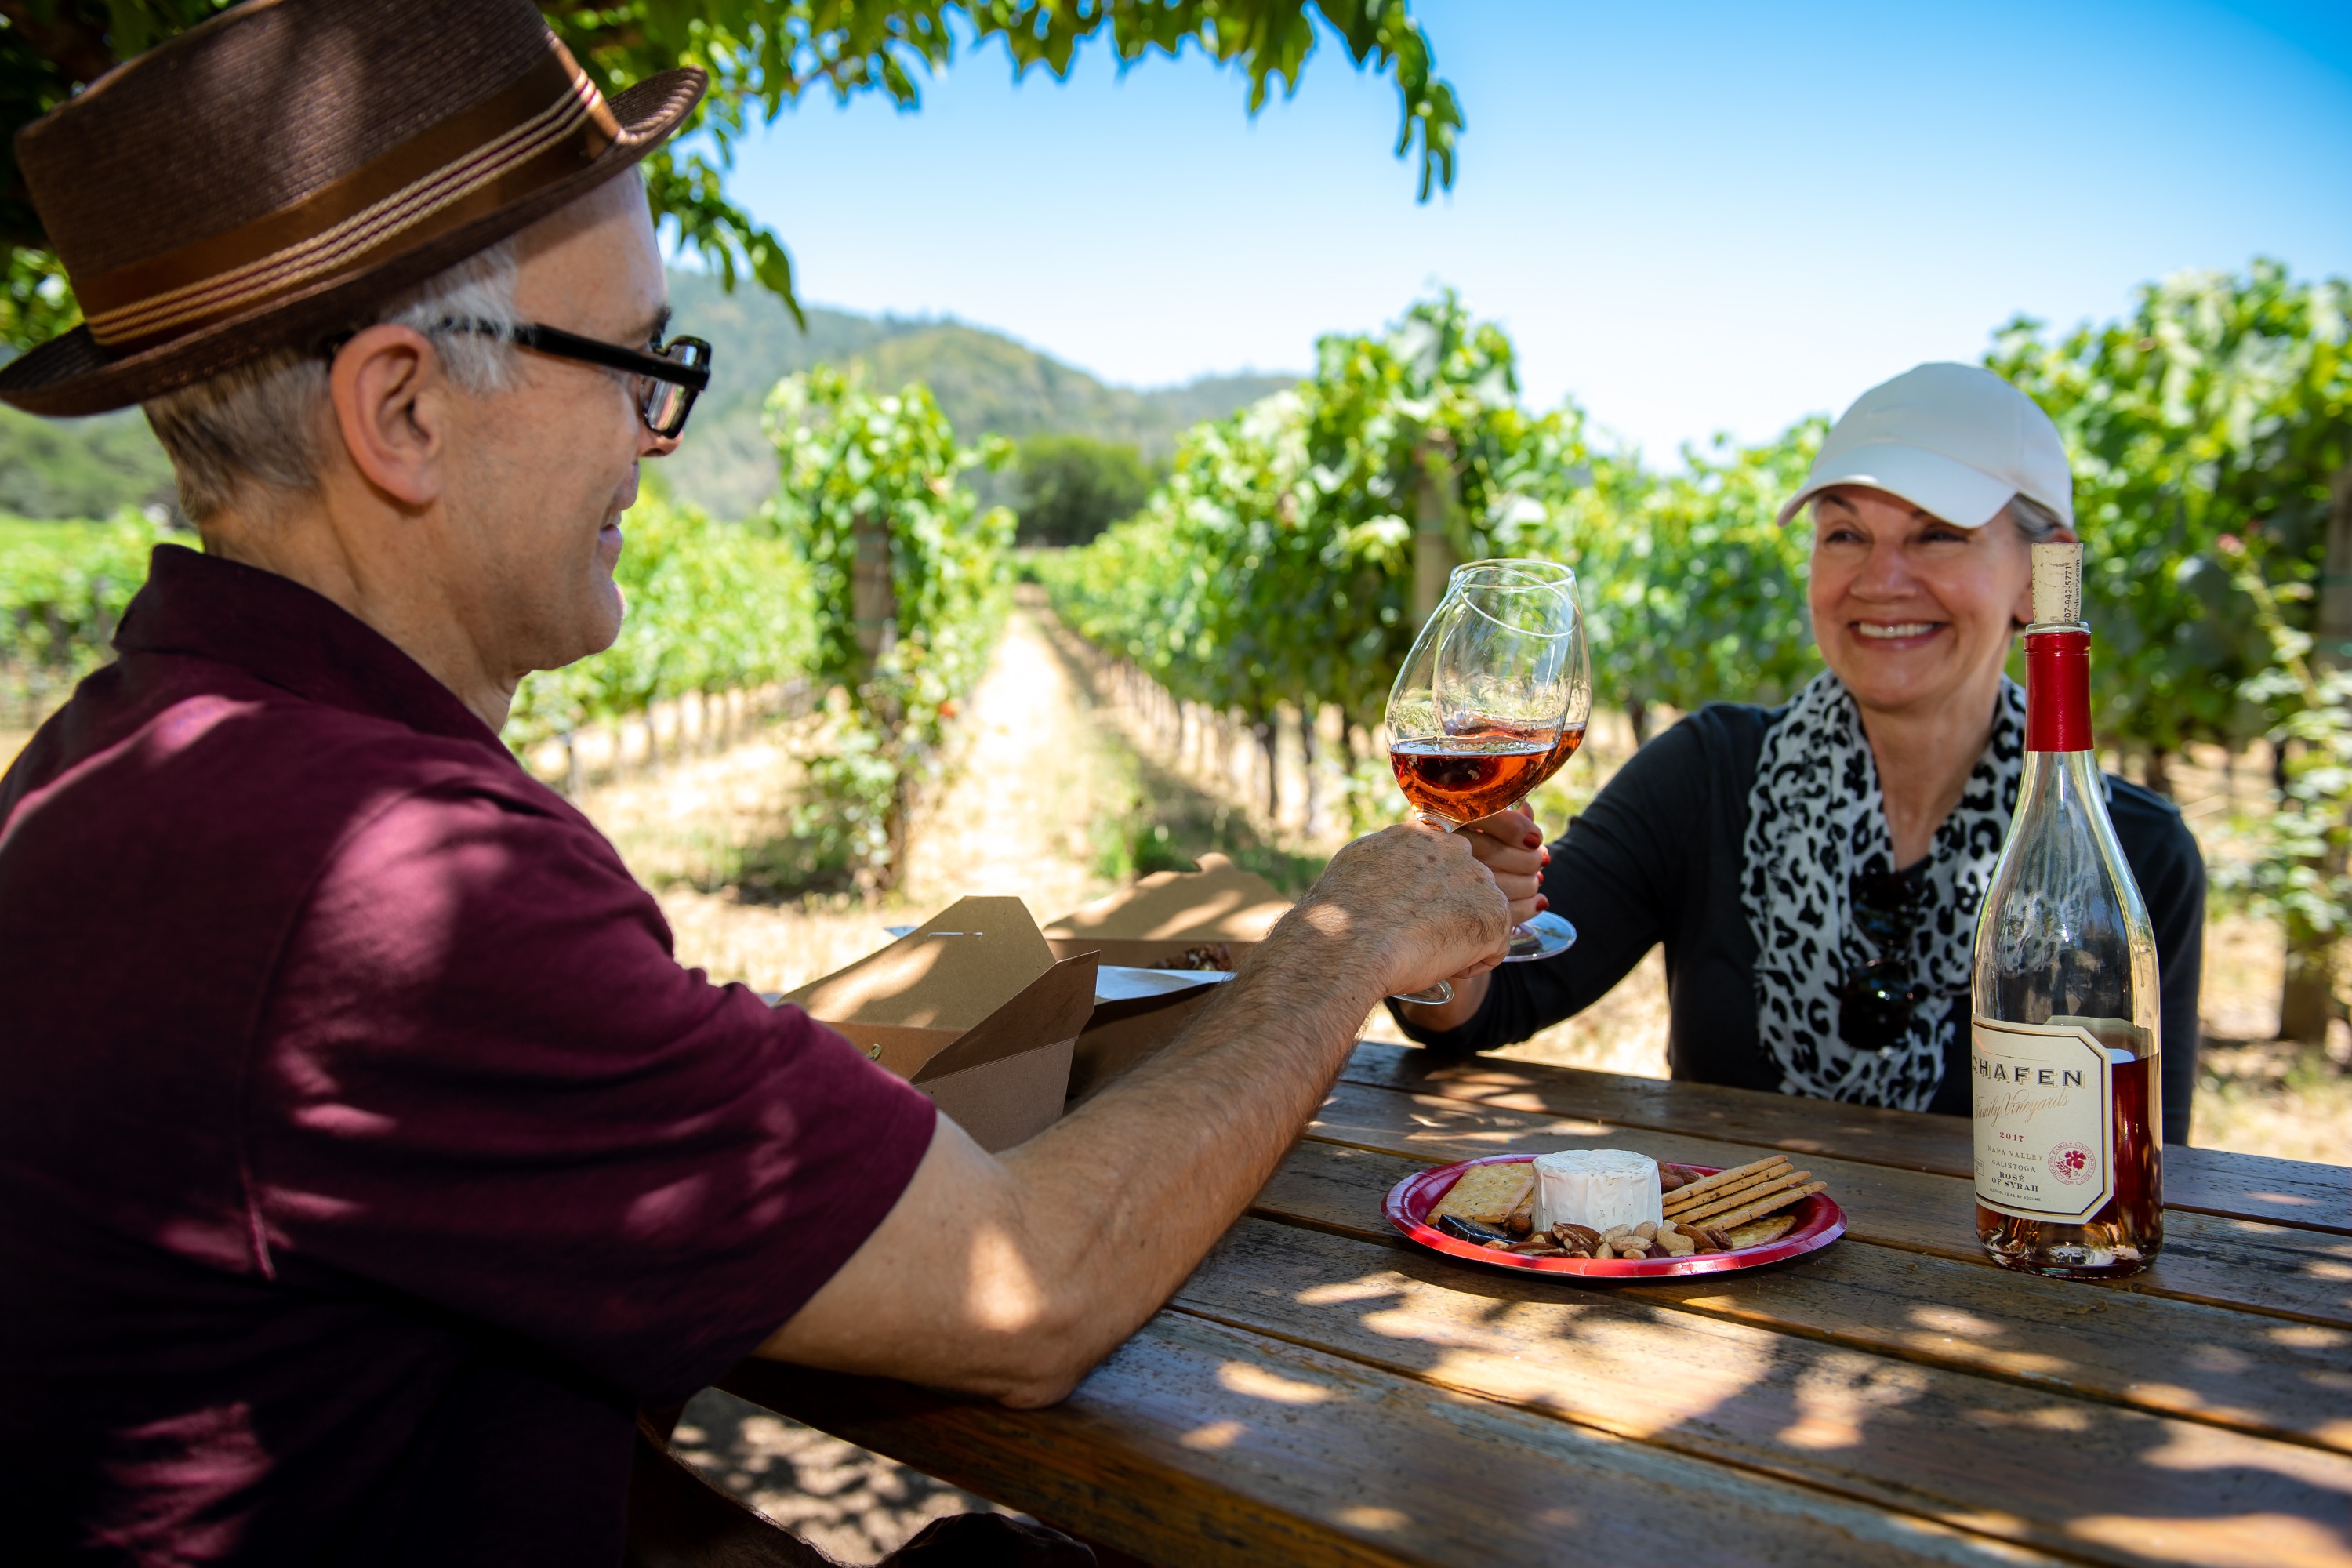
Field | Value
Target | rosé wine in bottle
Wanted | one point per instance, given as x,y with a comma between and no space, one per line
2065,1050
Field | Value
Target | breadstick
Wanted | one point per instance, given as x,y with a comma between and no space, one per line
1777,1172
1724,1178
1763,1206
1744,1195
1739,1197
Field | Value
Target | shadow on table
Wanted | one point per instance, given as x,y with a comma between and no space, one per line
2041,1464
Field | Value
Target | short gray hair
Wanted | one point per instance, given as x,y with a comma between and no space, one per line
265,423
2035,521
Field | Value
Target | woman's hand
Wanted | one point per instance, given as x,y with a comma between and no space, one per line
1511,847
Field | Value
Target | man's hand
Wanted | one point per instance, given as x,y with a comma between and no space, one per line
1511,847
1415,895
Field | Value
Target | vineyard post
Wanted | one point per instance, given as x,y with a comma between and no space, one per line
1269,731
873,602
2307,992
1433,559
1310,714
874,613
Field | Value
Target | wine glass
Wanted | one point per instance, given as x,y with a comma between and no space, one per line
1546,934
1479,708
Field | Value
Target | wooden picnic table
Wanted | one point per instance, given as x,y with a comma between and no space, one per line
1321,1392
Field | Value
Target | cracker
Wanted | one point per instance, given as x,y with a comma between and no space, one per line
1487,1193
1757,1232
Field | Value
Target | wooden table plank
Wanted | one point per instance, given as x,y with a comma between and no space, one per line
2208,1181
2249,1373
2282,1270
1973,1452
1197,1443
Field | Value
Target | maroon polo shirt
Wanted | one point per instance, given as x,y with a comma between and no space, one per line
365,1157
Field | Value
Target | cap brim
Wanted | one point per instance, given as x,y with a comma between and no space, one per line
1967,496
71,375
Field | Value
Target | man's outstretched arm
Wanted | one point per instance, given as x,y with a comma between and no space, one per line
1010,1276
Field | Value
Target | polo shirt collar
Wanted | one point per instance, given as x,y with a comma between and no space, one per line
284,634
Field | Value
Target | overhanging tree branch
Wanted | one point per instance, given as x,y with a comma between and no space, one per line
762,55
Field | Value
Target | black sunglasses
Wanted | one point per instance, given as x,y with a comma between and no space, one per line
1875,1004
666,379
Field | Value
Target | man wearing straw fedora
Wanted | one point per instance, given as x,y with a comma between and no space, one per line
366,1160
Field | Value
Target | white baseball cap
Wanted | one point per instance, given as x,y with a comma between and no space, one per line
1952,439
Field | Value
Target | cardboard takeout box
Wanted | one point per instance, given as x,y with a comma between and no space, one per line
973,1008
1170,911
1163,917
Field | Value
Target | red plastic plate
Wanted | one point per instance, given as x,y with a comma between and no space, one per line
1819,1223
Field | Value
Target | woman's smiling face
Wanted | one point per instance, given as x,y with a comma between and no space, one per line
1911,612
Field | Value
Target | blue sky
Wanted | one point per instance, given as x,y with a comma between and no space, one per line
1691,218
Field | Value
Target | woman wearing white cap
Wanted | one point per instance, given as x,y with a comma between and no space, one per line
1814,870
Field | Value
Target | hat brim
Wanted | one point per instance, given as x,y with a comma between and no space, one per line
1951,490
71,374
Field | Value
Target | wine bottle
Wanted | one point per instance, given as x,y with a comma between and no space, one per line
2065,1057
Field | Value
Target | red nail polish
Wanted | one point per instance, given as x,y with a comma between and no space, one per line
1542,903
1531,840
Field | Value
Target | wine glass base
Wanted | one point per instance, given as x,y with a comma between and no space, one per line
1544,936
1436,995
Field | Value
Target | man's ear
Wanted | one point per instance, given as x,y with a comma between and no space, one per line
392,407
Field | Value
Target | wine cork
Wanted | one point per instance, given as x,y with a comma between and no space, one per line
2057,585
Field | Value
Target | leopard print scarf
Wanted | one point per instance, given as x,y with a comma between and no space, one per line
1816,820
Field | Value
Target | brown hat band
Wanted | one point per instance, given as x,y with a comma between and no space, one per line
549,123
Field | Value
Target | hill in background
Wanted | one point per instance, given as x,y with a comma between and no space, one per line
80,468
986,383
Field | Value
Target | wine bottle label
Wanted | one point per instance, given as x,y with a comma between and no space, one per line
2045,1120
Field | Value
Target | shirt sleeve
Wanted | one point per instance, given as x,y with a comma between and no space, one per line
483,1082
1616,876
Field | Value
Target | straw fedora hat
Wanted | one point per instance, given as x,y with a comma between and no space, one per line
264,178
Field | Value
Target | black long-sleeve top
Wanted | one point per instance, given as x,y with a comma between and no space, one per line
1658,856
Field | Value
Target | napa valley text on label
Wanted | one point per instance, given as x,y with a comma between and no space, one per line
2045,1126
